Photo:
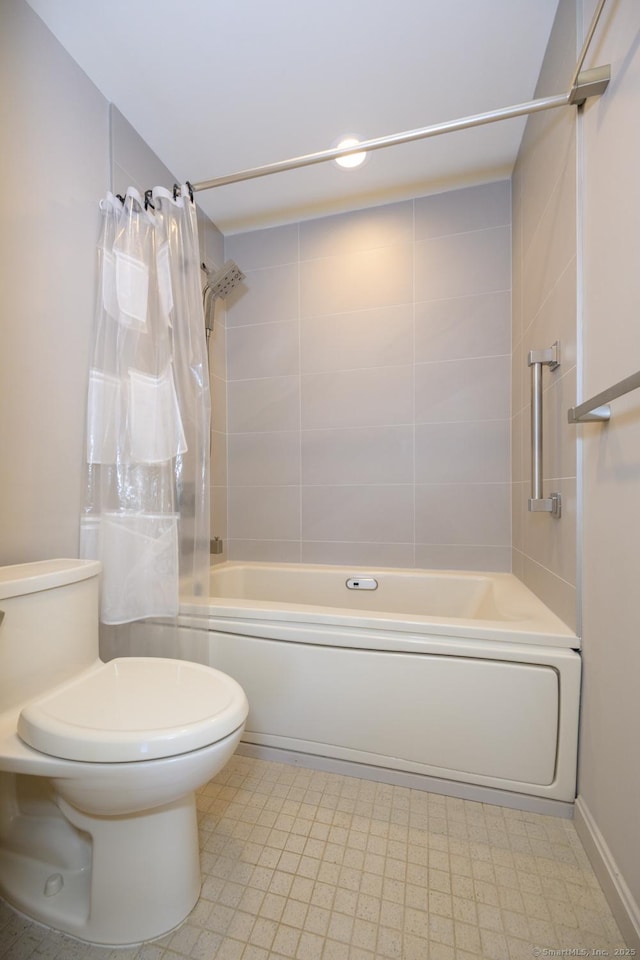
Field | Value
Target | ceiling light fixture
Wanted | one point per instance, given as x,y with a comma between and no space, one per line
353,159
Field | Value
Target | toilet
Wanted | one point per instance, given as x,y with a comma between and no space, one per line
99,763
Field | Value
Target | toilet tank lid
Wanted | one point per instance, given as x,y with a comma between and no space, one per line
22,578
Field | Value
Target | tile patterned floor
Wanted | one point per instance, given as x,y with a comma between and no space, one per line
309,865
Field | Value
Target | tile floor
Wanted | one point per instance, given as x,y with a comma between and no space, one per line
304,864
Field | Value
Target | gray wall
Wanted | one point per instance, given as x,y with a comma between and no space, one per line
544,310
66,149
609,784
56,125
368,386
576,205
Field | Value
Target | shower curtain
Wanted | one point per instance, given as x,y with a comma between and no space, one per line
146,511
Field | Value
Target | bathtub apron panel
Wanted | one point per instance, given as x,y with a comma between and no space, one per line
449,677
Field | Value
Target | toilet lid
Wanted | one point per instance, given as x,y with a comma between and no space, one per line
134,708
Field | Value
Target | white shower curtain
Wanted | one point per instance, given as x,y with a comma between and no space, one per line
146,512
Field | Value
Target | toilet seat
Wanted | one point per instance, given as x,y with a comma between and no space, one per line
134,708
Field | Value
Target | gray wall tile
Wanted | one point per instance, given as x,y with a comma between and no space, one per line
464,513
401,376
552,247
271,403
346,233
360,455
545,310
264,513
464,264
467,557
263,350
265,551
464,452
378,337
218,389
552,545
265,296
476,326
461,211
257,459
219,458
381,277
361,555
264,248
357,398
476,389
370,512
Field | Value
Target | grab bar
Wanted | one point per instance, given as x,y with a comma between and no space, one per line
597,408
537,360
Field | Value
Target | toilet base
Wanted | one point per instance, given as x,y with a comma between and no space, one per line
129,878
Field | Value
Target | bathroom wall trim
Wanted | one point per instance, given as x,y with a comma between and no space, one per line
415,781
623,906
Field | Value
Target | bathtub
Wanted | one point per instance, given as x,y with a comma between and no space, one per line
464,683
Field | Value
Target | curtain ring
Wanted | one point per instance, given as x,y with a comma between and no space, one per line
190,189
176,191
147,199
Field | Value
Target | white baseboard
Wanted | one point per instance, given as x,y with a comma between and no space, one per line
623,905
417,781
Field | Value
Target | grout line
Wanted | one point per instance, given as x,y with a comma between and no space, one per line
391,483
403,425
370,369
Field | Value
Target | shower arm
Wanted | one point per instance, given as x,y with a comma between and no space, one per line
583,84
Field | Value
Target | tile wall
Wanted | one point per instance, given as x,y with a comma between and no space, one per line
218,386
545,310
368,386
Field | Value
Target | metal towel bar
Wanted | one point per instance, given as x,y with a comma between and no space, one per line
597,409
537,360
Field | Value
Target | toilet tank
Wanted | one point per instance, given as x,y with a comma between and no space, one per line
49,630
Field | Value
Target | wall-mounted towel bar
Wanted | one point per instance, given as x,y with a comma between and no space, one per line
537,360
597,409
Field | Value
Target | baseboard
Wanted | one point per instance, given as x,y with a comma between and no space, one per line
416,781
623,905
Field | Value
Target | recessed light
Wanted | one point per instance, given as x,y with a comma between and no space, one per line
353,159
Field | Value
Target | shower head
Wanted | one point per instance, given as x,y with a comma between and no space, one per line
221,282
219,285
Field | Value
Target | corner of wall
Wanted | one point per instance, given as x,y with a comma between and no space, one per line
545,285
624,907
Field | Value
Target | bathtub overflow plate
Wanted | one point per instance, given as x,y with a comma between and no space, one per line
362,583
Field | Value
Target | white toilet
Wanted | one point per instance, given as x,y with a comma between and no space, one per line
99,763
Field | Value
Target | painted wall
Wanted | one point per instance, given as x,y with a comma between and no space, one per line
67,148
56,124
369,386
609,784
576,216
544,310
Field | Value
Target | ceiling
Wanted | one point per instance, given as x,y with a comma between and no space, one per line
217,87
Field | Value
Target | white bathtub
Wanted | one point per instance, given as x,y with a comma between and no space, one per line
461,682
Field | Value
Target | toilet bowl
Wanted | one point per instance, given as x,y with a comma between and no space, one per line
99,763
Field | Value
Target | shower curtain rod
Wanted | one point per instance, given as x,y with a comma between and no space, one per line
584,84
